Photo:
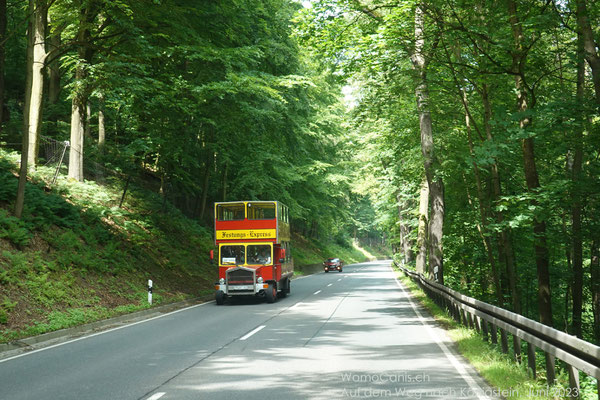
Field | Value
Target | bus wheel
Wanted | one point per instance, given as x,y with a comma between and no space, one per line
271,293
220,297
286,288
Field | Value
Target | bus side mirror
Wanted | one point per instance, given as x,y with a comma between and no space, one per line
282,255
211,255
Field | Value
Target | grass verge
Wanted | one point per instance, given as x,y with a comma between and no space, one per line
511,380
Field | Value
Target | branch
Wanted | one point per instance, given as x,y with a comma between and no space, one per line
24,21
369,12
474,42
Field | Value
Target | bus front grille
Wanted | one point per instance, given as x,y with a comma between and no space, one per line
240,276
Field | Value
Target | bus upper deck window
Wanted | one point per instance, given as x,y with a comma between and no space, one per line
230,212
261,210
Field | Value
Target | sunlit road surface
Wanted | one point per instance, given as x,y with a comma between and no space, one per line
355,334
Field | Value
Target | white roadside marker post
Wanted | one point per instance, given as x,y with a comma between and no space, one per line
149,291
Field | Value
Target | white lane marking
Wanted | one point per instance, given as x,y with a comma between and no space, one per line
156,396
460,368
339,279
103,332
246,336
317,292
296,305
330,284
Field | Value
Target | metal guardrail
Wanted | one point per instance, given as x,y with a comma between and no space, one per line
577,354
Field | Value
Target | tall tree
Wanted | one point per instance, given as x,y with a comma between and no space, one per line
88,11
32,110
575,169
595,286
524,103
2,57
431,163
53,45
589,43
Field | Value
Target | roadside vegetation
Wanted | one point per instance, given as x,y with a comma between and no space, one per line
75,256
498,369
155,119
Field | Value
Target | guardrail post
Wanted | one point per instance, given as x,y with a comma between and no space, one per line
484,329
494,333
574,382
531,359
503,341
481,316
517,348
456,313
464,318
550,369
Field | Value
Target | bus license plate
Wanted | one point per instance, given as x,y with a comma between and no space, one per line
242,287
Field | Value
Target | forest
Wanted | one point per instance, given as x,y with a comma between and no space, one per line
466,136
480,124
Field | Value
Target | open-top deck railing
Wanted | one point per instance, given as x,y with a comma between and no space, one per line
577,354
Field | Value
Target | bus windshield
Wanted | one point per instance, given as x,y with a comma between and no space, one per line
233,254
259,254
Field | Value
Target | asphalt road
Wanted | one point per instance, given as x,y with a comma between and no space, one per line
354,334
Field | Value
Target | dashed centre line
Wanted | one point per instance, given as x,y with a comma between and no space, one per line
246,336
156,396
330,284
317,292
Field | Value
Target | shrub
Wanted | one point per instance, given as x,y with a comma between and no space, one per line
8,186
13,229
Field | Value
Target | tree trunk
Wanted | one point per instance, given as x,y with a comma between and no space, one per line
80,97
434,179
53,67
209,165
20,200
576,207
37,84
595,288
101,123
2,58
405,242
224,194
88,120
531,175
34,87
77,135
505,249
484,205
589,44
422,230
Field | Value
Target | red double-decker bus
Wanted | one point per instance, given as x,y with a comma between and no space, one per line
254,258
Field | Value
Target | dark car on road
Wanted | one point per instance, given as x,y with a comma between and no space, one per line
333,264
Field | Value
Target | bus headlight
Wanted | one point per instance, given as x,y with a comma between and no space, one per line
259,280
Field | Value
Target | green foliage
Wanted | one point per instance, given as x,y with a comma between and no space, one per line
470,74
13,229
203,102
6,307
